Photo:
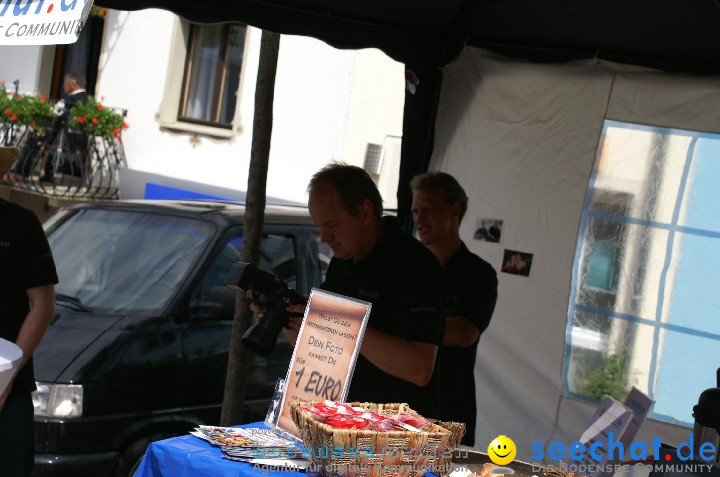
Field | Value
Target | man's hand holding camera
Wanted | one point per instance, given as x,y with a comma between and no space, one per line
274,296
295,312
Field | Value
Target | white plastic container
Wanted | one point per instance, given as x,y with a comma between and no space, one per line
10,358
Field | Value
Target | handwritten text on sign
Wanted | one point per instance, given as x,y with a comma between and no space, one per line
325,351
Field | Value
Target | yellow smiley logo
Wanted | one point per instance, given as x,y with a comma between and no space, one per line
502,450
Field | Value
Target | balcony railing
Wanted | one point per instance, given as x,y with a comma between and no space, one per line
64,162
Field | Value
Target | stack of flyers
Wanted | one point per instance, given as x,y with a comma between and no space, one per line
254,445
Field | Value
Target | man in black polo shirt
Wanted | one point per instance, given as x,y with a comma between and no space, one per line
374,261
439,204
27,297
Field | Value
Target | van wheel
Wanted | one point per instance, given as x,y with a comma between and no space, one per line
131,457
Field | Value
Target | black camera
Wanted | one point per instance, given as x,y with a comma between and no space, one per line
274,294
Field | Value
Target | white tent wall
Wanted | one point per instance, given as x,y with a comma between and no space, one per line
522,139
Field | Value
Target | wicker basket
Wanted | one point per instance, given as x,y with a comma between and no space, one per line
367,453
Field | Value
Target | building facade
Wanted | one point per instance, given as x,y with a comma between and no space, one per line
189,95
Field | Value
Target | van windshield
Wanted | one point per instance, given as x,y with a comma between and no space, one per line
126,262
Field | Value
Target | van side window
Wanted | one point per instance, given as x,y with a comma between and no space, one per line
324,252
277,256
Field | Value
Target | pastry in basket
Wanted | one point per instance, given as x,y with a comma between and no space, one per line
374,440
345,416
485,472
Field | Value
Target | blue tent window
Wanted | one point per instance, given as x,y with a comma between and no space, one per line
644,287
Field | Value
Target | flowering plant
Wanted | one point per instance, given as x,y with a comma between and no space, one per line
98,11
97,120
24,109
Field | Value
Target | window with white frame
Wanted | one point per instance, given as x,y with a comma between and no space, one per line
645,298
212,74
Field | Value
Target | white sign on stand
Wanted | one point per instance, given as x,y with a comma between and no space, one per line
622,420
325,353
639,403
42,22
611,417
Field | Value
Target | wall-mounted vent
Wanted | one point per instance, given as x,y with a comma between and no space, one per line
373,158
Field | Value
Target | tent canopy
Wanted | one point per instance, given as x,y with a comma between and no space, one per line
674,35
524,137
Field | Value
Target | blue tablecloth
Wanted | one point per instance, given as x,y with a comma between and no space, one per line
190,456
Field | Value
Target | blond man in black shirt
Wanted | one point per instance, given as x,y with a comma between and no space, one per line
439,204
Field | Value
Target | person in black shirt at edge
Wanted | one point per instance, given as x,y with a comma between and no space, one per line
439,204
27,294
375,261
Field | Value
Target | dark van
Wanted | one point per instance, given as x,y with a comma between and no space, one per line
138,347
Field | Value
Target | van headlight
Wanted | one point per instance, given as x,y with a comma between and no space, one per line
58,400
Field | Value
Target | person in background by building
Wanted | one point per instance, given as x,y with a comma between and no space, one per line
438,206
375,261
73,93
27,295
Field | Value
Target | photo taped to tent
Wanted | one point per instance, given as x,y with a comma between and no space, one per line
517,263
488,230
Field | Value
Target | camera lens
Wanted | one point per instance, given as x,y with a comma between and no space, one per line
260,338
